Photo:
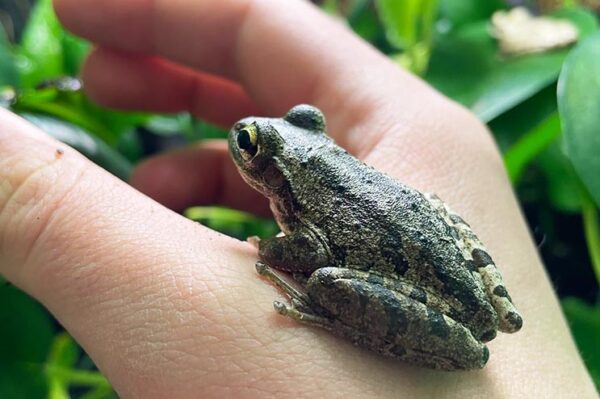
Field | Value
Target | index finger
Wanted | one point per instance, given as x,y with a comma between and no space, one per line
271,47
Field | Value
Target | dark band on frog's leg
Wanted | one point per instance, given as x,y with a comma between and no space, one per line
510,319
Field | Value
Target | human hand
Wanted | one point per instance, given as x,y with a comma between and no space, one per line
168,308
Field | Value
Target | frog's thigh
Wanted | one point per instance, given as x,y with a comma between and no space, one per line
491,279
300,251
392,323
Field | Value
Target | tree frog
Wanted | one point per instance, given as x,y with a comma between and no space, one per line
377,262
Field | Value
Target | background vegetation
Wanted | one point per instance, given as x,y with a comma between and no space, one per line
543,109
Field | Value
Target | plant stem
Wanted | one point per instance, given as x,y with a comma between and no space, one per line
67,114
530,145
591,227
78,377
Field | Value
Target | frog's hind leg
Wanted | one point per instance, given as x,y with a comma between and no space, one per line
373,313
473,249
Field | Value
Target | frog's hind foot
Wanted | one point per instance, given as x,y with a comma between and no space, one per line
510,320
303,317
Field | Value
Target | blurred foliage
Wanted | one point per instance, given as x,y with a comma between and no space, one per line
544,110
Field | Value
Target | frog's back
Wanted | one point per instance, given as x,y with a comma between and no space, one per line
372,222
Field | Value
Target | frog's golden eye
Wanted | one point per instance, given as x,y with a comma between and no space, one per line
247,141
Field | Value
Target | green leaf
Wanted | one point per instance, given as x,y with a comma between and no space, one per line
524,117
8,70
466,66
530,145
560,179
460,12
584,321
26,335
76,108
409,26
364,21
579,106
591,228
204,130
90,146
63,353
41,53
75,50
586,21
169,125
232,222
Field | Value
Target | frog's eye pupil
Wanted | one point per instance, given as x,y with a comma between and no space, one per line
247,142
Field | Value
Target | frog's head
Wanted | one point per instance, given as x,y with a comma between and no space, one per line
266,149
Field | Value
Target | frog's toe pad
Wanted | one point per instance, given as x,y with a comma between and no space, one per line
254,241
281,308
261,268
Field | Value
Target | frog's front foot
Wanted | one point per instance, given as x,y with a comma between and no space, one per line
254,241
270,274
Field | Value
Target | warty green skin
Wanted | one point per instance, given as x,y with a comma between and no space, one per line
380,263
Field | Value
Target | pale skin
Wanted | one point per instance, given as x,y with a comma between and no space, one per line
167,308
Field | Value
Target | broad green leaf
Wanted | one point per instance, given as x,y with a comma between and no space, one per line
511,125
204,130
586,22
41,53
115,123
74,107
579,106
74,51
365,22
399,19
409,27
560,179
466,66
130,145
456,13
584,321
232,222
26,335
169,125
530,145
90,146
8,71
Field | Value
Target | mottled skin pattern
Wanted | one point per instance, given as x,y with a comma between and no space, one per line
378,262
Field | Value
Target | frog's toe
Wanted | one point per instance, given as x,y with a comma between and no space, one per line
301,316
254,241
261,268
281,308
512,322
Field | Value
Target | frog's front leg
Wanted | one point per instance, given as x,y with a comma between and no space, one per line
300,251
359,307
